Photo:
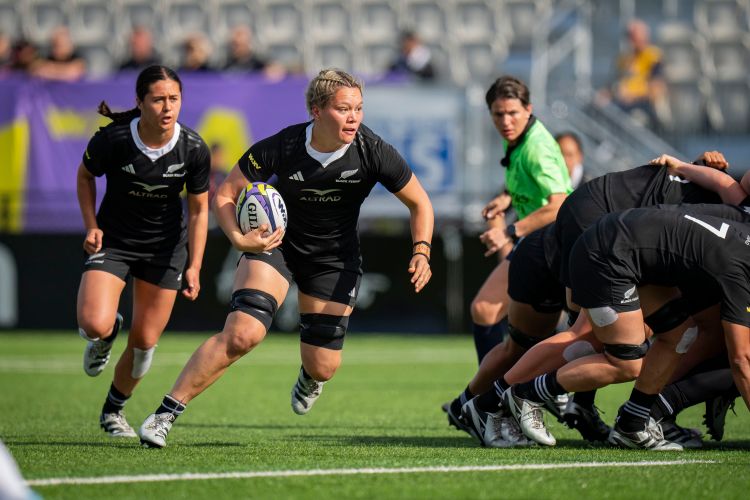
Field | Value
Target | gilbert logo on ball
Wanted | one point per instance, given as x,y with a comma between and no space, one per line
259,204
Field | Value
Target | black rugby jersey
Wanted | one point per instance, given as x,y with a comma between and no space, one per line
142,209
645,186
678,245
323,203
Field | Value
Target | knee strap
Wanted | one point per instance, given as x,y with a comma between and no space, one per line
142,359
523,339
323,330
256,303
627,352
669,316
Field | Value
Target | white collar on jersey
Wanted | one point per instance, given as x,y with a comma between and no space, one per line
154,154
324,159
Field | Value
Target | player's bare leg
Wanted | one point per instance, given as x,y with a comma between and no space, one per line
244,329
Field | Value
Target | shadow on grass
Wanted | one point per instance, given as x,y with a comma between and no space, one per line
125,444
297,427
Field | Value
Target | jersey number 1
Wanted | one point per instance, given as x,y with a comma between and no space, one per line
721,232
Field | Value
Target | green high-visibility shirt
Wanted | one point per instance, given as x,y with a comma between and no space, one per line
535,171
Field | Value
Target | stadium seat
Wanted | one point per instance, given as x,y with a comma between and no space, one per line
91,21
427,18
146,13
683,60
280,22
10,19
99,59
42,17
230,13
687,103
721,19
475,21
328,21
733,100
377,22
523,16
730,60
476,62
288,54
183,17
328,55
374,58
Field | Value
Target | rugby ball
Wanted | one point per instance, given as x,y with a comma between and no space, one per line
259,204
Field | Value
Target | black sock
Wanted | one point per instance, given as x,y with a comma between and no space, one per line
693,389
634,414
461,400
305,375
170,405
487,337
489,401
585,398
115,401
542,388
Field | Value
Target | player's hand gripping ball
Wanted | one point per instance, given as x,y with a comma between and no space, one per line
259,204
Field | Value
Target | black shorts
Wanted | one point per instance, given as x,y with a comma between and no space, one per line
336,281
530,280
597,281
163,270
578,212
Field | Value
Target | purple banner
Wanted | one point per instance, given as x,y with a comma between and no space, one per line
234,111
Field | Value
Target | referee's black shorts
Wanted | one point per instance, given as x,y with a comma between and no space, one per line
530,279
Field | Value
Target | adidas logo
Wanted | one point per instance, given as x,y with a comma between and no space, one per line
129,169
297,176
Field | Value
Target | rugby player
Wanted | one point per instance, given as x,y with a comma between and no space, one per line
148,158
324,170
642,185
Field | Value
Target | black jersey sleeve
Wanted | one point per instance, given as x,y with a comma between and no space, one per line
735,306
96,156
393,171
260,162
745,202
198,172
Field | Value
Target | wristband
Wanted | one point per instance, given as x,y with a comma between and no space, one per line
423,254
422,242
510,232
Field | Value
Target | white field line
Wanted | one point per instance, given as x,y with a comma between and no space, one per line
348,472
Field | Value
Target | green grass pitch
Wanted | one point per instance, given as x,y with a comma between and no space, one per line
381,411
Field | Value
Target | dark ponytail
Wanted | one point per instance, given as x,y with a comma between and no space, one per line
142,86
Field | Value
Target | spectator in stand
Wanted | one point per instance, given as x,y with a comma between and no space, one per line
63,63
639,88
572,151
24,56
241,55
197,52
414,58
5,51
141,50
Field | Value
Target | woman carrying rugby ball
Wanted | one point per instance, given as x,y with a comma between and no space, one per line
324,169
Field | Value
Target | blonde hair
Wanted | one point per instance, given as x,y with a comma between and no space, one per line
322,88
